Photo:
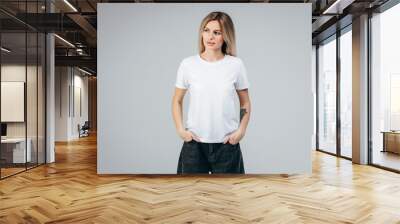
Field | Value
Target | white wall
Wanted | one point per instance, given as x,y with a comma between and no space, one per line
61,103
67,80
137,65
80,83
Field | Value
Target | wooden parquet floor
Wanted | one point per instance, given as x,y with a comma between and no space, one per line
70,191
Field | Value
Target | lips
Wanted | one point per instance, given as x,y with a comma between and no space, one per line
210,43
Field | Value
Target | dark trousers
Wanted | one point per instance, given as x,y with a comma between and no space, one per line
198,157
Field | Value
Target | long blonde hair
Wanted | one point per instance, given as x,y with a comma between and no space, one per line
228,32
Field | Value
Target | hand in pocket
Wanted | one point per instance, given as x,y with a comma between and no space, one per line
188,136
234,137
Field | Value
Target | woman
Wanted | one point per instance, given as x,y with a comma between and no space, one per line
213,77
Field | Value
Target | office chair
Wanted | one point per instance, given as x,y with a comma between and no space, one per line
84,130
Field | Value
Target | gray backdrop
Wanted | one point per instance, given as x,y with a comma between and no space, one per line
140,47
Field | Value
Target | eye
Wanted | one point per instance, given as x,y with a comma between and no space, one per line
205,30
217,33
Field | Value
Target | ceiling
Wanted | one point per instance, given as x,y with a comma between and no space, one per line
76,22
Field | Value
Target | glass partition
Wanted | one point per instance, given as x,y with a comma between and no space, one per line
22,88
13,109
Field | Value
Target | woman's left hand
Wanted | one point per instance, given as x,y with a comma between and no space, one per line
234,137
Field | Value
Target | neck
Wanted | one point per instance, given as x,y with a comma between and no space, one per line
212,55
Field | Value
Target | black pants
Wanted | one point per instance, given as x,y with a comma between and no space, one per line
198,157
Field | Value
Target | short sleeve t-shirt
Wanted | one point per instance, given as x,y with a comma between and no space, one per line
212,114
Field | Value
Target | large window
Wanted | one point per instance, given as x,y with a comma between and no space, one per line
335,73
385,88
327,96
346,93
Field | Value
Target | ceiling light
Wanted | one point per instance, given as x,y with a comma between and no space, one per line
70,5
65,41
5,50
84,71
338,6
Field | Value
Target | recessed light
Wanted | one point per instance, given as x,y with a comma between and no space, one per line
70,5
84,71
64,40
5,50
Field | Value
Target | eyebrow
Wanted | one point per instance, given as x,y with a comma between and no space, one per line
210,29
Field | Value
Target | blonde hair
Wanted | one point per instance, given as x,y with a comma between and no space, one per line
227,29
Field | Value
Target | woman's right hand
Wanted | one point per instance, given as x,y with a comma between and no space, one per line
187,136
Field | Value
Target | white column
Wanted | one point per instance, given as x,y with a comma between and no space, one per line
50,92
50,100
360,90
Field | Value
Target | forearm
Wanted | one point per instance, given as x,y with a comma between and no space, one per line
177,115
245,109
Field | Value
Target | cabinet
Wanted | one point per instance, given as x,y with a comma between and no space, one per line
391,141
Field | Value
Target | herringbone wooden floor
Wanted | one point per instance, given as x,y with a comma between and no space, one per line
70,191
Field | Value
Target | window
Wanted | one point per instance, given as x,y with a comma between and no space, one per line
327,96
385,89
346,93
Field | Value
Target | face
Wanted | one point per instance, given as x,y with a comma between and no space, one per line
212,36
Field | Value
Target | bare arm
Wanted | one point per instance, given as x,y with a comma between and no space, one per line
245,108
177,102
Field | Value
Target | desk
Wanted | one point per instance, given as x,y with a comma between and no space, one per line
13,150
391,141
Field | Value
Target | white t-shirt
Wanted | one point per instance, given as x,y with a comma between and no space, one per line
212,114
